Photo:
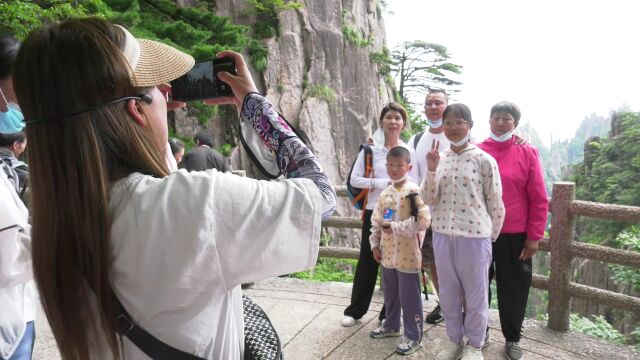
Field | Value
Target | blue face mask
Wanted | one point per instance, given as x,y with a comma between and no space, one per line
434,124
11,121
504,137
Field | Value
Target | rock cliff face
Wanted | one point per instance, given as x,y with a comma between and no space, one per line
319,79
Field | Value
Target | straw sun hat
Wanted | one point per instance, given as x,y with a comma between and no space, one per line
154,63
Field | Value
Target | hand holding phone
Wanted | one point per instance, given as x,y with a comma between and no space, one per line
202,82
241,84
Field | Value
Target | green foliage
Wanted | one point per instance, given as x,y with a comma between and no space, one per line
327,269
202,112
419,66
20,17
596,326
322,92
608,174
194,30
266,12
325,239
628,240
355,36
224,149
258,55
383,60
416,123
635,338
189,142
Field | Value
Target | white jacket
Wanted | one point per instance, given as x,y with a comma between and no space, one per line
183,244
18,297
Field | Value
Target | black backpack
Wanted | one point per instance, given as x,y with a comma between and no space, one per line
416,139
357,196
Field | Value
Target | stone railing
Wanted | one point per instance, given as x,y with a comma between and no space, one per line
564,208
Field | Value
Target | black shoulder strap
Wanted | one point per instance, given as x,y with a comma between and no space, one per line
149,344
367,149
416,139
368,157
413,205
11,227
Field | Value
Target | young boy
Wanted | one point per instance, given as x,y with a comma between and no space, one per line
398,224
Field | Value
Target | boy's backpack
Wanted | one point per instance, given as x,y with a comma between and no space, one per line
357,196
413,206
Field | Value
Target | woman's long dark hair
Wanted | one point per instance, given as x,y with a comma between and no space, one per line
62,69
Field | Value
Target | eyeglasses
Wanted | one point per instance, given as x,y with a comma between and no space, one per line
457,123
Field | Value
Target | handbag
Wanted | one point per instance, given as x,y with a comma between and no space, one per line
261,341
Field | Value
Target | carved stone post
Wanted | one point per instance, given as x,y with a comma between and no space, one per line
561,236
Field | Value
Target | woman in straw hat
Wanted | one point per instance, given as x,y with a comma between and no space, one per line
110,224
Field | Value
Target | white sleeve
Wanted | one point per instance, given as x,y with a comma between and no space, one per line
15,243
414,173
268,228
15,257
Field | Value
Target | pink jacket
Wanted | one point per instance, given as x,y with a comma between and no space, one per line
523,190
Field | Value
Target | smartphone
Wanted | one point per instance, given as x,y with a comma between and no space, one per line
201,82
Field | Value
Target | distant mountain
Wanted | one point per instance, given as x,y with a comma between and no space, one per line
557,158
592,125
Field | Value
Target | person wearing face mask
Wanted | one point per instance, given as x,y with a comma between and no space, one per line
434,104
525,200
397,228
465,193
393,119
10,114
18,295
12,140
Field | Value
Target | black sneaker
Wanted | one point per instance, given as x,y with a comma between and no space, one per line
435,316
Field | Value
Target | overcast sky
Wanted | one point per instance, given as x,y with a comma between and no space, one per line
560,61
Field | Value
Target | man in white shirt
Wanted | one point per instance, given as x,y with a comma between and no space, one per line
435,103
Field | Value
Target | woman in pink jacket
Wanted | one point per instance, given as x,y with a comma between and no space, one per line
525,200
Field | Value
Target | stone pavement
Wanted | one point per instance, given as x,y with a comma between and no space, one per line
307,317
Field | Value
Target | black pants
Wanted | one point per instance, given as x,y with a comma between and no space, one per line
513,280
364,281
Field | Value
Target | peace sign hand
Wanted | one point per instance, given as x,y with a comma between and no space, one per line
433,156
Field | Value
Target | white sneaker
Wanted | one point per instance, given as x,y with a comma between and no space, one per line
471,353
451,351
348,321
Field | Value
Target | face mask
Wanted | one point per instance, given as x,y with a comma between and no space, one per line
506,136
434,124
11,121
462,141
403,178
